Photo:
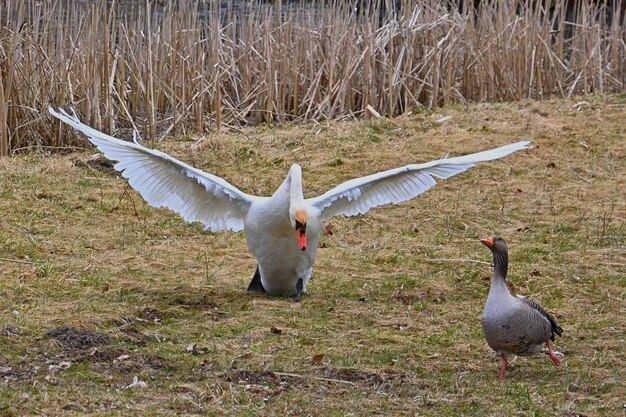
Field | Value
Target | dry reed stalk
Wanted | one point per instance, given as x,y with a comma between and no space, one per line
4,134
178,66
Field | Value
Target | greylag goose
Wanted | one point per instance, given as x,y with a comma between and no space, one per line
514,325
282,231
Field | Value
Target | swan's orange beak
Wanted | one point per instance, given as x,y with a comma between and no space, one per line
301,239
301,229
488,241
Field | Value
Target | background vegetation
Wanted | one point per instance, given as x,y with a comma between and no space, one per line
176,67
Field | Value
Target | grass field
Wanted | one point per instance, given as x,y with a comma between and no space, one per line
390,324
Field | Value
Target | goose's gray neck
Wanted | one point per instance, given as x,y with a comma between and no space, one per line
500,265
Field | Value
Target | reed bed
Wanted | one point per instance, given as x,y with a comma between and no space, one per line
188,66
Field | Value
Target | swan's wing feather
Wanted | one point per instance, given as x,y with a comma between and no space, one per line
164,181
359,195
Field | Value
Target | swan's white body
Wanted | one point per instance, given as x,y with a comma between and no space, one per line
270,237
285,261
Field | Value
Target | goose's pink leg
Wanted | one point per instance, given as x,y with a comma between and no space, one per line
503,368
552,355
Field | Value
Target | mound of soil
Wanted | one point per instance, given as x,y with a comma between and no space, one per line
77,338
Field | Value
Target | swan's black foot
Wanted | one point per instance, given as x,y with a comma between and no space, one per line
299,286
256,285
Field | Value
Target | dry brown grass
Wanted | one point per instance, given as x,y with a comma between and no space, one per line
191,66
400,334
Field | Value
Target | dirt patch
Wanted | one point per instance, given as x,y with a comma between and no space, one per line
97,162
77,338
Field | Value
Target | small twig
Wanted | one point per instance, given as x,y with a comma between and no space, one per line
341,381
587,180
206,265
19,261
459,260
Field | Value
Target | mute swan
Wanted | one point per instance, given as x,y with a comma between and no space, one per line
514,325
282,231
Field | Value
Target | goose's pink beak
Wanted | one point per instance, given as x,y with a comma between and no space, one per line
488,241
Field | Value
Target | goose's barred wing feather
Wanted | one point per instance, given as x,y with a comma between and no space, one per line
556,329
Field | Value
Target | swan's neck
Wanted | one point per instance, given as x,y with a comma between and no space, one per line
296,196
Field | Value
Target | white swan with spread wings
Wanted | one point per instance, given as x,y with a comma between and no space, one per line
282,231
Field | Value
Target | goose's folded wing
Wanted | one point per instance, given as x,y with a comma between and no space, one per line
359,195
164,181
555,328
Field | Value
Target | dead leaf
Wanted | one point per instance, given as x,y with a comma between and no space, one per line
275,330
328,230
317,358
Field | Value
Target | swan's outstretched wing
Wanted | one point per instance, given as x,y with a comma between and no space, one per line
164,181
359,195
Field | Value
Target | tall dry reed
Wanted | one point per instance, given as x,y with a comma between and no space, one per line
175,67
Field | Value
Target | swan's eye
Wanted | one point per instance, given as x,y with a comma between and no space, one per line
300,227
